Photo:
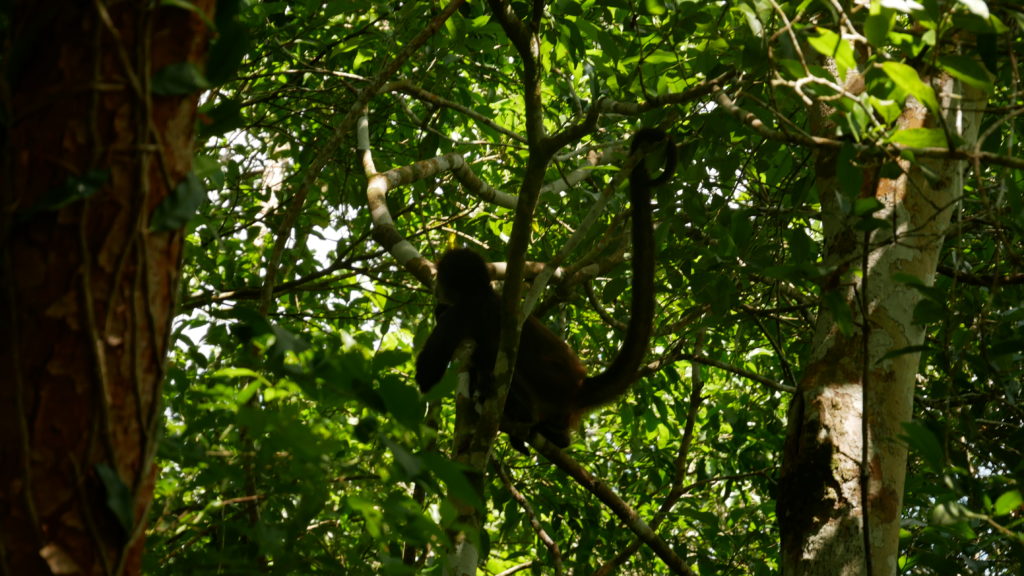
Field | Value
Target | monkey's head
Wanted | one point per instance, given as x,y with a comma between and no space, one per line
462,274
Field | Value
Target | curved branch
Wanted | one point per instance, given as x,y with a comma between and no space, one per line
552,546
341,131
598,307
739,372
384,229
699,90
679,466
869,150
407,87
981,279
617,505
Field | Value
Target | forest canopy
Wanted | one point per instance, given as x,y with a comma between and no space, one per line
345,146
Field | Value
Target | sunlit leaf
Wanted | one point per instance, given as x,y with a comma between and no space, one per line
878,24
907,79
1008,502
967,69
977,7
831,45
920,138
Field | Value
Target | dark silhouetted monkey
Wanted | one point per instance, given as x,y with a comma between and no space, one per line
550,388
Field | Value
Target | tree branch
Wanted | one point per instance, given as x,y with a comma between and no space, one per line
552,546
343,129
868,150
618,506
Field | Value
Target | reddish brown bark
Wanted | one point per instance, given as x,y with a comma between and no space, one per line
86,289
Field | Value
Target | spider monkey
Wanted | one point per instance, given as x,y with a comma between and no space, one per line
550,388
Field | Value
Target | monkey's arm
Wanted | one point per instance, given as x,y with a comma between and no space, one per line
440,346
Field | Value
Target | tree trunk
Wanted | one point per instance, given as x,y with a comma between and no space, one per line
87,287
820,507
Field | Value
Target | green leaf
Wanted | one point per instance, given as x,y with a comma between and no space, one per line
741,232
968,70
953,516
410,463
831,45
840,309
910,82
889,110
74,189
923,441
180,205
222,118
373,517
878,24
928,311
227,53
445,387
792,69
751,17
251,324
391,358
851,175
454,477
402,401
920,138
209,169
178,79
867,224
190,7
1008,502
654,7
866,206
236,372
119,497
662,57
977,7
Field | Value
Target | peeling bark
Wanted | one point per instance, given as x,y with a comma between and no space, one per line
820,502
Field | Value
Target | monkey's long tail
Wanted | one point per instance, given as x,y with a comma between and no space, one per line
617,378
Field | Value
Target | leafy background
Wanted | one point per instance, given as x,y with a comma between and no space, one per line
295,440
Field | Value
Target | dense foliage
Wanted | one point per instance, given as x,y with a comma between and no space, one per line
296,441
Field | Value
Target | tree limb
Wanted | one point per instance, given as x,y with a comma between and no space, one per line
617,505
